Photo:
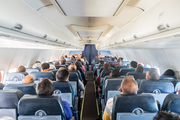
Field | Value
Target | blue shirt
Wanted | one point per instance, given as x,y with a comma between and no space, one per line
67,110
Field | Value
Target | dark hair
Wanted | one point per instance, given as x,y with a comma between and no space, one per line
115,73
45,66
106,66
140,69
21,69
65,56
134,64
62,74
164,115
101,61
112,65
78,64
152,75
63,62
169,72
112,59
45,87
57,63
121,58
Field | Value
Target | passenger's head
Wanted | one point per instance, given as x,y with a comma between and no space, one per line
121,58
72,67
112,59
62,57
28,79
78,64
164,115
65,56
72,58
139,69
21,69
115,73
106,66
129,85
45,67
169,72
96,56
133,64
101,62
152,75
57,63
45,87
62,74
63,62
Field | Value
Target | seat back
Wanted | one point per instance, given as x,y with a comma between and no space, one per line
125,63
65,91
148,69
111,85
124,71
40,75
54,72
176,84
8,103
73,77
112,62
172,103
29,88
119,67
137,75
1,86
166,77
14,78
59,66
159,88
32,107
29,70
136,107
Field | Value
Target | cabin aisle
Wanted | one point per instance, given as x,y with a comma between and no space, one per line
89,106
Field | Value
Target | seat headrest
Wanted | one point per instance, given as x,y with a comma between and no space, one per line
73,76
40,75
62,86
124,71
29,88
155,86
10,98
176,83
148,69
15,76
29,70
59,66
166,77
31,104
105,73
112,84
137,75
1,86
172,103
128,103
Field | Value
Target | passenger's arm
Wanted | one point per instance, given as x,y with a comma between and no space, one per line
67,110
81,85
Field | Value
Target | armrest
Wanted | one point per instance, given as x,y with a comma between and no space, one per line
103,104
81,94
75,108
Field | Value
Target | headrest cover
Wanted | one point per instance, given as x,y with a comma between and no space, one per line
30,104
73,76
137,75
15,76
41,75
63,86
29,88
10,98
128,103
148,86
172,103
124,71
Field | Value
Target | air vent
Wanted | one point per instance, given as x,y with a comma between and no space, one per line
163,27
18,27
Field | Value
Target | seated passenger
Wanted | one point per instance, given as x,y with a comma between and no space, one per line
79,67
152,75
57,63
66,58
52,66
114,73
21,69
63,62
139,69
46,88
118,62
169,72
37,65
133,65
45,68
28,79
128,87
164,115
96,60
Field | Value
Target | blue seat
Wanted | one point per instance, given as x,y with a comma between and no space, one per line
73,79
29,70
137,75
125,63
158,88
40,75
119,67
134,107
65,91
59,66
124,71
112,62
166,77
176,84
29,88
172,103
111,88
148,69
15,77
104,73
35,107
1,86
8,103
